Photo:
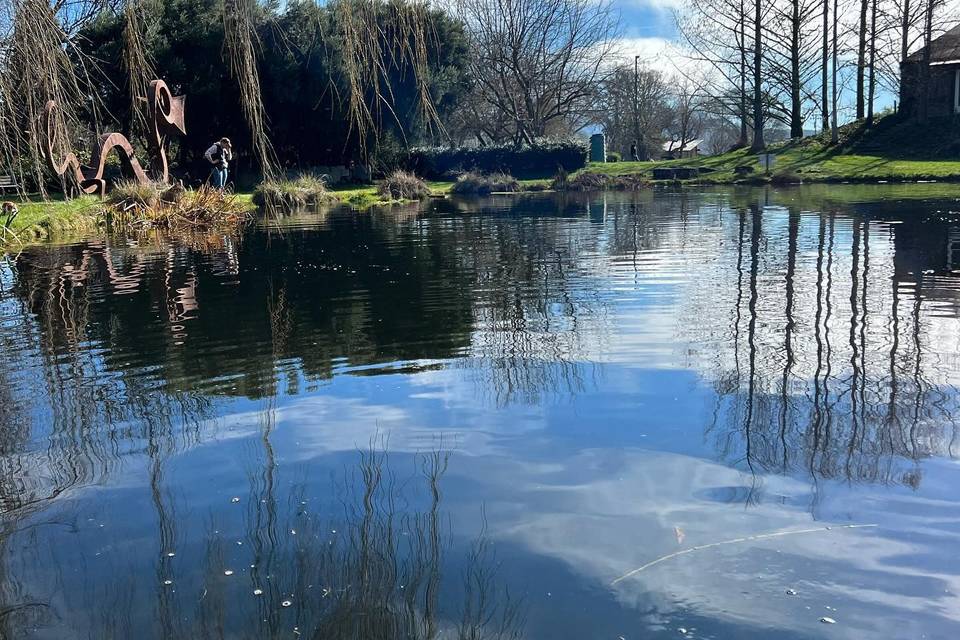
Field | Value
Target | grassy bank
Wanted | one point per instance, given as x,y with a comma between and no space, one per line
797,162
39,220
890,151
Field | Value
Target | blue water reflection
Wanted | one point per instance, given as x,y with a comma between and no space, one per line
490,420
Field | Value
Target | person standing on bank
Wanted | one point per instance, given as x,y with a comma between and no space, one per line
219,156
633,152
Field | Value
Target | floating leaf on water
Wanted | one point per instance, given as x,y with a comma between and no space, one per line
826,620
234,500
791,592
228,572
258,592
168,582
170,554
678,532
286,603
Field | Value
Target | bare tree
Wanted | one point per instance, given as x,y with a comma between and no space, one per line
758,143
833,83
634,108
825,110
861,56
716,33
539,61
686,124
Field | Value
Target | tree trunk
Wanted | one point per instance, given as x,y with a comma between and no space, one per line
905,32
873,59
758,144
861,56
927,39
825,71
833,83
742,142
796,116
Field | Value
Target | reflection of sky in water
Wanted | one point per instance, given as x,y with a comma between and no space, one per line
617,382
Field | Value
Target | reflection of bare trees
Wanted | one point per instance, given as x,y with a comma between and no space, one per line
830,364
361,560
540,315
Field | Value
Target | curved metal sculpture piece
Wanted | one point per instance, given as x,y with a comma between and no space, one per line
166,118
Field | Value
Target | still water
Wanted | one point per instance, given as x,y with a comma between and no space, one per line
716,414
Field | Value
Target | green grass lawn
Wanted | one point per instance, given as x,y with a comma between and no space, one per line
810,160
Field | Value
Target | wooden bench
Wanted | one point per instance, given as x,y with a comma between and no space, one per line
8,182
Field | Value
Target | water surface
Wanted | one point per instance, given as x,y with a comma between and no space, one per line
716,414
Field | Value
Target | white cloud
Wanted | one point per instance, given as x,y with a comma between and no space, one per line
658,53
658,5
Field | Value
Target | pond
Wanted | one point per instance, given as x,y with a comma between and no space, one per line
724,413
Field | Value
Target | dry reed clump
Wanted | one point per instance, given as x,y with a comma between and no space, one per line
305,190
155,206
475,183
403,185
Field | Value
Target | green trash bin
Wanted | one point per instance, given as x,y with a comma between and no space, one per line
598,148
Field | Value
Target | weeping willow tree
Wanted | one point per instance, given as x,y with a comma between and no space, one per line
240,39
40,60
369,53
39,63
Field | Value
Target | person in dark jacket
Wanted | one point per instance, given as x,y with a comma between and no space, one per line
633,152
219,156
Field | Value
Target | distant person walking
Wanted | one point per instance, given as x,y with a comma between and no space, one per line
219,156
633,152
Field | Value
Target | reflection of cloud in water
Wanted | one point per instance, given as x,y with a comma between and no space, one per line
604,512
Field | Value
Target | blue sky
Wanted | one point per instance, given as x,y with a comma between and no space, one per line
647,26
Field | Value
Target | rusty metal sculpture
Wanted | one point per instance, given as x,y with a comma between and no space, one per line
166,118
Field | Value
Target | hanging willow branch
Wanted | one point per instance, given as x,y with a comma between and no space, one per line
370,53
37,68
240,43
137,64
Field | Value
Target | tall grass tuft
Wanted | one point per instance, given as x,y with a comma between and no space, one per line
403,185
131,205
474,183
303,191
130,194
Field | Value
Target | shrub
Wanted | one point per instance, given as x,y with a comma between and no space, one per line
787,177
591,181
304,190
614,156
403,185
538,160
475,183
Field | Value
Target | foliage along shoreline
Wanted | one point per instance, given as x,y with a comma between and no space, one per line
813,160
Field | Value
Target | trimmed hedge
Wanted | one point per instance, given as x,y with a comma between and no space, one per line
539,160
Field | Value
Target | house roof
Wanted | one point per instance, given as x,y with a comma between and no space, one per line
943,50
674,145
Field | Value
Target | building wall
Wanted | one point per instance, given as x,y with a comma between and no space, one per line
942,90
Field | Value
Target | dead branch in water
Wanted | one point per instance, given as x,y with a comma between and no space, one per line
763,536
